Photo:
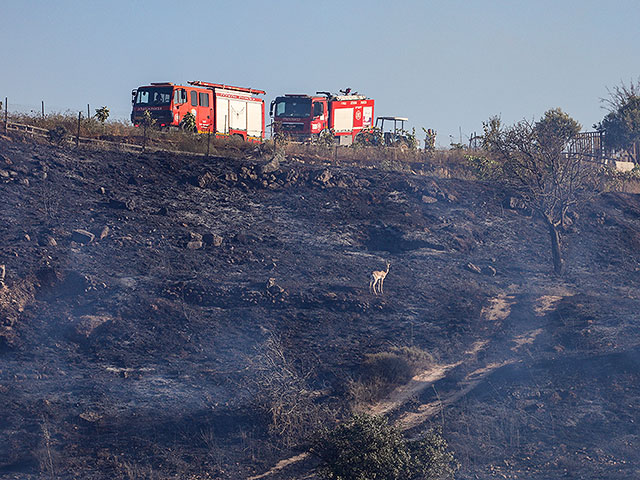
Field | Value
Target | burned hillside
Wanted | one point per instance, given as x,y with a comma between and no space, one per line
175,316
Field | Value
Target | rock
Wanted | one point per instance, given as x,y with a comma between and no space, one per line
102,190
291,176
194,245
273,288
324,177
489,270
361,183
248,173
4,174
195,237
472,268
212,239
231,177
27,237
86,325
272,165
25,182
514,203
3,272
82,236
122,204
428,199
104,232
47,241
91,417
134,180
206,179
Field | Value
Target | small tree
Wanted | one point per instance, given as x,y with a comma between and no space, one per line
532,159
366,447
188,122
57,135
102,114
621,126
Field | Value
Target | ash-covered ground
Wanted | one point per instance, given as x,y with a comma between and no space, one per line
168,316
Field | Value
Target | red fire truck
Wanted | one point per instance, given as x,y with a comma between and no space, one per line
304,117
219,109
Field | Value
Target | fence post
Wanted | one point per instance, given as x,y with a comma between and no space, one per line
42,108
208,141
88,111
78,134
6,114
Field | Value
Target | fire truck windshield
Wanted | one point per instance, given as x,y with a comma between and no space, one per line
293,107
154,96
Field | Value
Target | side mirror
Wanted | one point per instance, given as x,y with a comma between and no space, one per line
273,102
134,92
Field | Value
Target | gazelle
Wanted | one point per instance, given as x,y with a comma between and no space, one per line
377,280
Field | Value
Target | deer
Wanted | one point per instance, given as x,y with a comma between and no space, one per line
377,280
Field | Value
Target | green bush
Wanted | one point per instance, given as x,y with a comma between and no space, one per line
366,447
188,123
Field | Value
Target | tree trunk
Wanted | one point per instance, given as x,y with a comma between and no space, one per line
556,252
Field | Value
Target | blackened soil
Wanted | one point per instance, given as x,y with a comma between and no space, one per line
140,353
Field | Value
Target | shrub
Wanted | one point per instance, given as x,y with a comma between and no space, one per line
387,366
367,447
381,372
397,365
57,134
188,123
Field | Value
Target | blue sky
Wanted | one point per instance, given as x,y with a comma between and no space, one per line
446,64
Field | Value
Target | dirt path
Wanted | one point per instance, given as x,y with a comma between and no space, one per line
417,384
281,465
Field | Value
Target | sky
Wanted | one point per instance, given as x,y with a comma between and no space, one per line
445,64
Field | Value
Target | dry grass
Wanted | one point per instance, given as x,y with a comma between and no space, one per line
439,163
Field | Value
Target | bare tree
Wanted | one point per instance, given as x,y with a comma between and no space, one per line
283,392
532,159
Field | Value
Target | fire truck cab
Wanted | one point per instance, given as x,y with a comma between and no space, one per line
305,117
223,110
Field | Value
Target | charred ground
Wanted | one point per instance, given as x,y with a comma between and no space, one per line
151,350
